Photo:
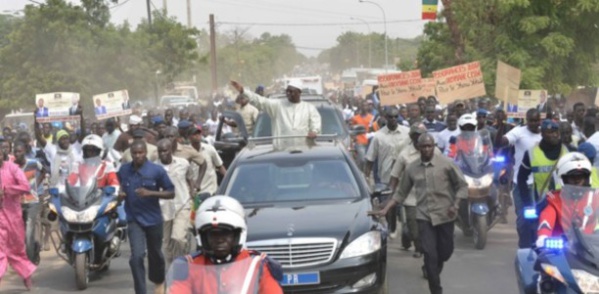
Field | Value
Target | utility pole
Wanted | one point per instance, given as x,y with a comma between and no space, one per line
188,13
213,54
164,7
149,13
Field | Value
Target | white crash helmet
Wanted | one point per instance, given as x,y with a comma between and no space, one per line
571,162
93,140
467,119
221,211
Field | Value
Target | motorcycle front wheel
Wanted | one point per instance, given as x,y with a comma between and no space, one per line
480,231
82,270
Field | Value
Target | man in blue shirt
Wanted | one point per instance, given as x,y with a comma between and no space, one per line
143,183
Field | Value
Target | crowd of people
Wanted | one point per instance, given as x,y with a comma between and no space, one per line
160,161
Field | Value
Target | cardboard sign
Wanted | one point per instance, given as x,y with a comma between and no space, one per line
59,106
459,82
597,97
111,104
527,99
507,82
399,88
427,87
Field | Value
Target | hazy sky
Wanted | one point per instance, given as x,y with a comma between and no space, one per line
403,17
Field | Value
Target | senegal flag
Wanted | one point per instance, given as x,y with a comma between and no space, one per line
429,9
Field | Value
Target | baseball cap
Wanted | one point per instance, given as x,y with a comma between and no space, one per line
139,133
195,129
549,124
157,120
482,112
134,120
588,150
184,124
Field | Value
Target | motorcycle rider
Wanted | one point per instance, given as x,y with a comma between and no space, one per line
467,124
572,169
93,162
220,223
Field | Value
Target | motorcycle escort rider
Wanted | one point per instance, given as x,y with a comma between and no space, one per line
94,165
572,169
464,142
221,227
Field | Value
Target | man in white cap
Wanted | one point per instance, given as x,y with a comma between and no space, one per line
125,139
289,117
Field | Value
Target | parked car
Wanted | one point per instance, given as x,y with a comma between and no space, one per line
307,208
177,101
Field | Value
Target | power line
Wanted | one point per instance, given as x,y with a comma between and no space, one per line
314,24
117,5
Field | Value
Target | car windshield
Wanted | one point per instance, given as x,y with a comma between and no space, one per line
292,180
331,124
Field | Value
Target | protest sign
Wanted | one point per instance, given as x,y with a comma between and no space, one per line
459,82
427,87
527,99
59,106
399,88
507,82
111,104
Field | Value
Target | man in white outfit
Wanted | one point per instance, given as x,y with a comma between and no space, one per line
291,117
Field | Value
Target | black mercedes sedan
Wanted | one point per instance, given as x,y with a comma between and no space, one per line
307,208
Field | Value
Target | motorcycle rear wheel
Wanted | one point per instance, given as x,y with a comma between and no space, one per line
480,231
81,270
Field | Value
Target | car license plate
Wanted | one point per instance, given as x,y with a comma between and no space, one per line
301,279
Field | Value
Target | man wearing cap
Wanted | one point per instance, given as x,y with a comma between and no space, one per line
152,153
209,182
405,157
386,144
539,161
260,90
459,108
184,127
126,138
291,117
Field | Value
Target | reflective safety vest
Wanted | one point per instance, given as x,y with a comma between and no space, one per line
541,168
594,179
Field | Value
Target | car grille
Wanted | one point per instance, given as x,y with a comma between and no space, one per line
297,252
80,228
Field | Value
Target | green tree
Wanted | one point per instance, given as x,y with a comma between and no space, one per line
554,43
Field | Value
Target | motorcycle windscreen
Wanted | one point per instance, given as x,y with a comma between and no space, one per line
239,277
81,187
579,219
474,152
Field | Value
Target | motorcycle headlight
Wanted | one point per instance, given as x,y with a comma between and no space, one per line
483,182
588,283
52,207
365,244
86,216
553,272
110,206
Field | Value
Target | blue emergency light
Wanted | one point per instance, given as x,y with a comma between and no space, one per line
53,191
499,158
530,213
554,243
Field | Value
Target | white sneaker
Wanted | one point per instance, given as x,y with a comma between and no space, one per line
393,235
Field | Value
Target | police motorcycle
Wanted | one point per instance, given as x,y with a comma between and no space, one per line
90,235
479,213
568,263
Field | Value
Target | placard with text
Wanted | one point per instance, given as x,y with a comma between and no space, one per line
459,82
399,88
111,104
58,106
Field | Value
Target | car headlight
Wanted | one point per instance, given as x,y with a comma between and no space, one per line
365,244
588,283
86,216
553,272
483,182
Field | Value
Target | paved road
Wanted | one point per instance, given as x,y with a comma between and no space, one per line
488,271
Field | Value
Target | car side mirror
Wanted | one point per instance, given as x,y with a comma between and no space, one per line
381,190
357,130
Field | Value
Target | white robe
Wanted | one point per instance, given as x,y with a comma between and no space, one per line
288,119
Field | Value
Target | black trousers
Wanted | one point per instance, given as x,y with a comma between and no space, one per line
437,247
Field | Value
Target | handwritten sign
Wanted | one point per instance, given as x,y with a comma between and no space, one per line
111,104
507,82
399,88
459,82
59,106
527,99
427,87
